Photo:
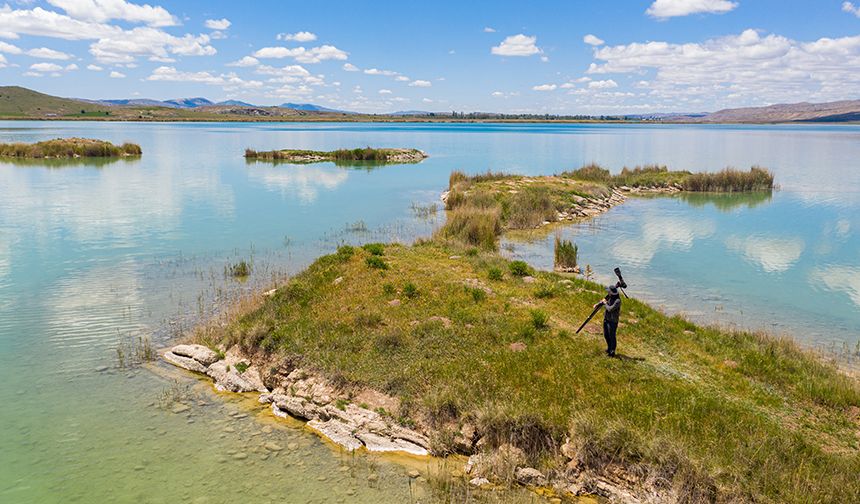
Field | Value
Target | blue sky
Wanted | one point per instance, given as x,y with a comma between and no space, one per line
544,57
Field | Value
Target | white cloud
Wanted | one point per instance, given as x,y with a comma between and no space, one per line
385,91
9,48
592,40
488,29
402,78
302,36
517,45
218,24
302,55
104,10
229,81
117,75
603,84
45,67
497,94
247,61
750,67
376,71
426,100
94,68
420,83
349,67
46,53
851,8
663,9
71,67
545,87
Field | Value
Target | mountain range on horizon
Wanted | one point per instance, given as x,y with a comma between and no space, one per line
19,102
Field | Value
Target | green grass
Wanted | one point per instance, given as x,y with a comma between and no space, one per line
566,254
734,416
69,148
727,180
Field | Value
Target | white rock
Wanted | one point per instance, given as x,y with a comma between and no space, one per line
376,443
530,476
199,353
229,380
339,432
184,362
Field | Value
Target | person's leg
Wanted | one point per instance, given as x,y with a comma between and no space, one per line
613,328
607,329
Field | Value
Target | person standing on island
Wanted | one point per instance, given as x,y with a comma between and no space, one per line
611,314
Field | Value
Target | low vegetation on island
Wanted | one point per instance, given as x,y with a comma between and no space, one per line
481,355
480,207
368,154
68,148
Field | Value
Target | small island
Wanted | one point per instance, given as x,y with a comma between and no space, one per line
68,148
445,347
369,154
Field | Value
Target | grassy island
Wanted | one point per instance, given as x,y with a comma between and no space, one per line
482,206
470,347
66,148
341,155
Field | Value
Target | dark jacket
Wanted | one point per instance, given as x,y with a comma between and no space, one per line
612,309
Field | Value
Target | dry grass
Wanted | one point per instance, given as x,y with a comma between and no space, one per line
69,148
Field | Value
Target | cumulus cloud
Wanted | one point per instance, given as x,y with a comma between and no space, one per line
663,9
117,75
46,53
349,67
302,55
488,29
592,40
376,71
302,36
45,67
385,91
247,61
603,84
420,83
229,81
8,48
517,45
113,44
748,66
218,24
94,68
545,87
105,10
851,8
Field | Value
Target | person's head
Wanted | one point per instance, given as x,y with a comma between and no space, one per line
612,290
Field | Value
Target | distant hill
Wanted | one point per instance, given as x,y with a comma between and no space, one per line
16,101
838,111
138,102
235,103
310,107
189,102
411,113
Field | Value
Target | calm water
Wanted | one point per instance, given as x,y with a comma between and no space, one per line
94,256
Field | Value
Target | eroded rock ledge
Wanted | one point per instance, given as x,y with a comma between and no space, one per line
305,396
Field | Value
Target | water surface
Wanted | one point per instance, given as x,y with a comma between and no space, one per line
95,255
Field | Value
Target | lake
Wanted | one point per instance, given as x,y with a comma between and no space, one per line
94,256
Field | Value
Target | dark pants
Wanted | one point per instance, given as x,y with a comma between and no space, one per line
609,329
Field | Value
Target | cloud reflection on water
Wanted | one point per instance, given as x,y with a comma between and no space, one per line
304,182
773,255
662,233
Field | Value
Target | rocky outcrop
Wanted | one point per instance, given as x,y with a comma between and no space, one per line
309,397
306,396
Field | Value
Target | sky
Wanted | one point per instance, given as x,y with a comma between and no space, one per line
562,57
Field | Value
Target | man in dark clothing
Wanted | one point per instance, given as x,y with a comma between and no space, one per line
612,304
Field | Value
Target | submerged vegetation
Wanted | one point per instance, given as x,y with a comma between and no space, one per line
704,413
241,269
725,181
341,155
62,148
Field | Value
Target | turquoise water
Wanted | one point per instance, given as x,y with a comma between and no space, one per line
93,256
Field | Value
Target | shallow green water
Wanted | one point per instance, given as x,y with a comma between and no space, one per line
95,255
